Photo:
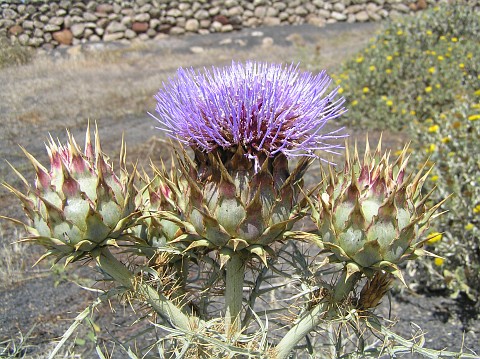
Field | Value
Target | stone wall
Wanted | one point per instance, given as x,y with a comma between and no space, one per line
47,24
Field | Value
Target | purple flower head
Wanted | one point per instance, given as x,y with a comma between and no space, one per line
263,107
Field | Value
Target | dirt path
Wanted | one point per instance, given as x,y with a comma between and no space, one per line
114,85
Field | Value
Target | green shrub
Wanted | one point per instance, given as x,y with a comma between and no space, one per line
418,66
422,74
12,54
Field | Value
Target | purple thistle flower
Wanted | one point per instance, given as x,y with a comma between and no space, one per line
263,107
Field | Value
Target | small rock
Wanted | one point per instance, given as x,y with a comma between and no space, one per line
36,41
401,8
339,16
176,30
23,39
192,25
104,8
9,14
362,16
140,27
113,36
15,30
77,30
130,34
197,49
145,17
27,25
222,19
201,15
271,21
300,10
338,7
64,37
235,11
94,38
174,13
51,28
316,21
216,26
114,27
56,21
256,34
227,28
89,16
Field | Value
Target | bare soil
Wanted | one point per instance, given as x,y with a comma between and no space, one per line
114,85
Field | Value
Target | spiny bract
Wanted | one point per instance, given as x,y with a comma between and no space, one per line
222,202
371,214
79,203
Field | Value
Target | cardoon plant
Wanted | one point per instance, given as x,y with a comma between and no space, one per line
201,242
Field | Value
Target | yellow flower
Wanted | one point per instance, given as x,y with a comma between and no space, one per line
443,38
399,32
438,86
388,71
372,68
438,261
373,46
469,226
434,237
462,66
419,98
433,53
389,58
440,58
428,89
359,59
474,117
366,90
446,140
434,178
476,106
433,128
431,148
340,90
354,103
413,112
476,210
389,103
429,32
451,154
404,111
469,55
431,70
477,93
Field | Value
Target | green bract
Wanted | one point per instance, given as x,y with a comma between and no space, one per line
372,213
223,202
79,204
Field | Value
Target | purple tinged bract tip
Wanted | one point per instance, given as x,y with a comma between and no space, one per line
263,107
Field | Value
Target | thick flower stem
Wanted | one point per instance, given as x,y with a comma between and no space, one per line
235,268
312,318
164,307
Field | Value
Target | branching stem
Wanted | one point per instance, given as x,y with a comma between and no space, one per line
122,275
312,318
